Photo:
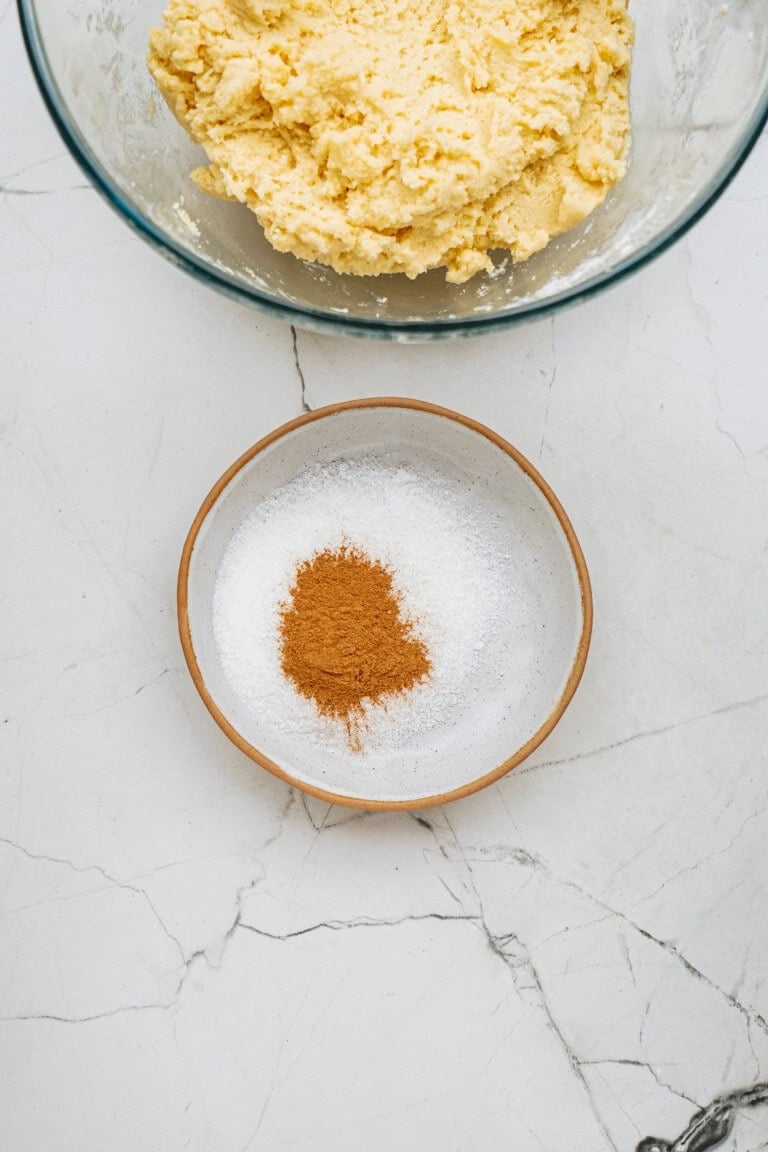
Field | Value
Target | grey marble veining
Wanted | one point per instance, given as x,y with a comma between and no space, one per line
194,956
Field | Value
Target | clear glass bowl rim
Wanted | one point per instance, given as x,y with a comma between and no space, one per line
328,321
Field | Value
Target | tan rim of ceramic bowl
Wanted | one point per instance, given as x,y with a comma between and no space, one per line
521,753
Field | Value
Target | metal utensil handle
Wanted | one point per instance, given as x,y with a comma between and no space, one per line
711,1125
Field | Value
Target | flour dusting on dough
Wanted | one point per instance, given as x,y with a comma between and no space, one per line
392,136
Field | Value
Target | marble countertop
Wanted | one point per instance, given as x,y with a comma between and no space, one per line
195,957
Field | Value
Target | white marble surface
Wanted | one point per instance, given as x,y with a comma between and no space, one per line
193,957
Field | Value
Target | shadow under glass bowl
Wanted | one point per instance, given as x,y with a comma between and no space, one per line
699,101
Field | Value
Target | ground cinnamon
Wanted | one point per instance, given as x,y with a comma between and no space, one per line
345,642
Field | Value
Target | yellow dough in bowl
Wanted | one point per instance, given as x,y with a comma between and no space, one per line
402,135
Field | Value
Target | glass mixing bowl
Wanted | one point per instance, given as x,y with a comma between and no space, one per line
699,101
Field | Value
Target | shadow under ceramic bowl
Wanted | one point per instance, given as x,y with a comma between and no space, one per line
699,99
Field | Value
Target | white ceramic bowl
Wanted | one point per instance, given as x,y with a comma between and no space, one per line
518,689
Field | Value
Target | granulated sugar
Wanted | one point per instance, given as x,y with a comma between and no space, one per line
449,557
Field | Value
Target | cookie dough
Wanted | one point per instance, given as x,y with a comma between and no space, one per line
402,135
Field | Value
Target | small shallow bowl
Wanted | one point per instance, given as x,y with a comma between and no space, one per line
541,647
699,98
